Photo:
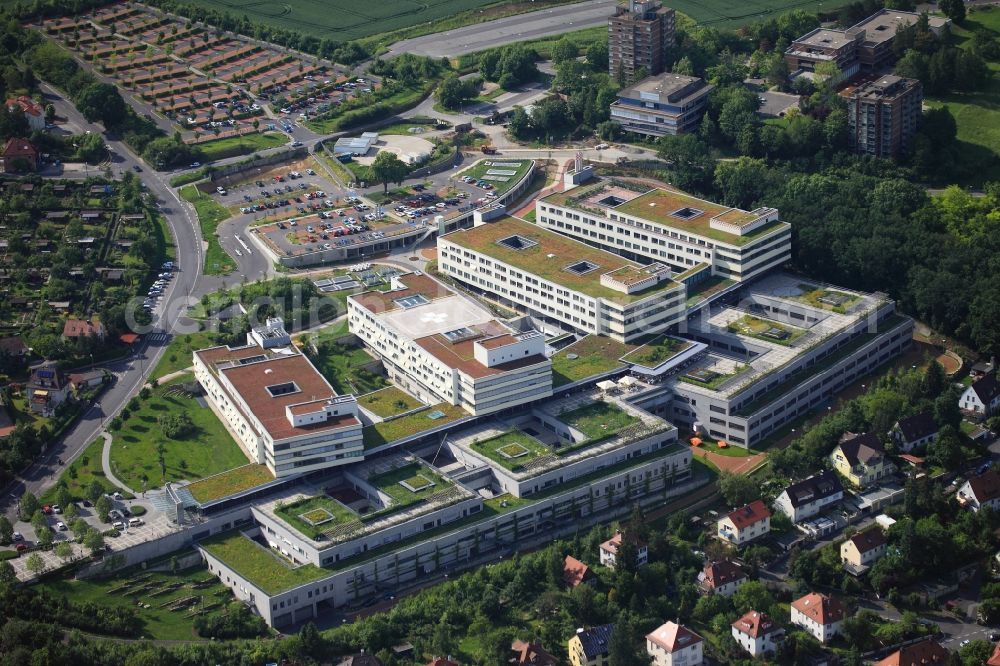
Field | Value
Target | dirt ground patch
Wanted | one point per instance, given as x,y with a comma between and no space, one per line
951,362
731,464
430,253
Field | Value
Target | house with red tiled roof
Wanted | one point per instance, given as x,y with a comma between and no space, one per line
924,653
673,644
576,573
980,491
81,328
18,155
531,653
820,615
609,551
746,523
994,659
723,578
757,633
34,113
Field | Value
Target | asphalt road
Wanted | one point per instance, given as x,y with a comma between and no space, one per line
129,373
506,30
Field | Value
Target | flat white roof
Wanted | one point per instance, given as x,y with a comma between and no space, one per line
438,316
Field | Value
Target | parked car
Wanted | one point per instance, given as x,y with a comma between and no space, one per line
61,526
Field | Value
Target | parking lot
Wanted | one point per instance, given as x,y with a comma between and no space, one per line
313,97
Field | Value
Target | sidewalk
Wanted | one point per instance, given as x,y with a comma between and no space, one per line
106,465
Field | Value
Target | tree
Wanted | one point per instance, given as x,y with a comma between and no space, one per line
387,168
742,181
93,541
6,531
176,426
597,56
8,577
103,507
94,490
64,551
80,527
452,92
63,497
738,489
953,9
624,647
752,595
101,101
27,505
35,563
564,49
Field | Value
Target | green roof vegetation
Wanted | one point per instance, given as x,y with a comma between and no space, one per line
656,352
479,169
314,515
549,256
231,482
701,290
835,300
598,419
389,401
511,450
765,329
259,565
415,475
590,356
411,424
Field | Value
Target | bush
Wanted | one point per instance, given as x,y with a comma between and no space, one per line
176,426
138,510
237,622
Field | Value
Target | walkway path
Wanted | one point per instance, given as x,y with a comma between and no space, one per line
557,186
106,464
170,376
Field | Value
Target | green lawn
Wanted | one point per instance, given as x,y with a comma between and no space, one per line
157,623
389,431
418,476
231,146
85,469
178,353
479,169
230,482
519,447
315,509
188,177
598,419
208,450
389,401
260,566
766,329
595,355
656,352
210,214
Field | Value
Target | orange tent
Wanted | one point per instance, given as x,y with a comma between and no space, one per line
695,441
722,445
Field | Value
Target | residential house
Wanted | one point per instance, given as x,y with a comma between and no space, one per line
361,659
80,328
672,644
819,615
576,573
531,653
862,550
746,523
808,497
47,389
914,431
590,647
757,633
18,155
924,653
994,659
34,113
13,347
87,379
609,551
982,398
724,577
980,491
861,459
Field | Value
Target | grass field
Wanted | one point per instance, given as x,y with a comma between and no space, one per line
240,145
511,450
81,473
388,431
598,419
322,512
234,481
208,450
389,401
210,213
178,353
593,355
153,588
259,565
342,366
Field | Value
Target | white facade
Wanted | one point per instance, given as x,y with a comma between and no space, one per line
609,552
756,635
674,645
981,398
821,632
740,528
804,499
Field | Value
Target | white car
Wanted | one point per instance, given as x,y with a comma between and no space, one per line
61,526
601,146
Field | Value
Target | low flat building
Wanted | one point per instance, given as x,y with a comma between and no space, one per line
980,491
914,432
561,280
757,633
280,409
809,497
665,104
722,578
591,647
879,31
820,615
745,524
443,347
673,644
862,550
609,551
883,115
355,146
861,459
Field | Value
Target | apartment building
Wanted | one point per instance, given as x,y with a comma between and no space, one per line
562,281
640,36
883,115
863,48
808,497
820,615
745,524
443,347
282,412
861,459
662,104
697,238
673,644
